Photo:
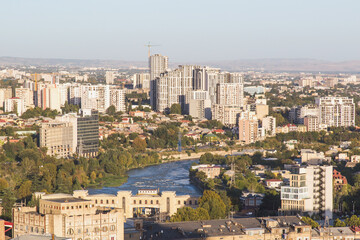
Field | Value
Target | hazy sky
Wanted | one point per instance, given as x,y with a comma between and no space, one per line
187,30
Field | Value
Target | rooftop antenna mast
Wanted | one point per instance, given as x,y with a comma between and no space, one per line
149,46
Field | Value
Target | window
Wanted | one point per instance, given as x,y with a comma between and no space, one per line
179,202
70,231
113,202
101,201
157,201
151,202
107,201
145,201
112,228
134,201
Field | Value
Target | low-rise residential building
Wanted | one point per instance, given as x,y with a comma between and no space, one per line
273,183
211,171
339,180
279,227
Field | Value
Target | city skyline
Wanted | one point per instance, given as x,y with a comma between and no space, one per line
209,31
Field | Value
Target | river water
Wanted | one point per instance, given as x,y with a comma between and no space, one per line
173,176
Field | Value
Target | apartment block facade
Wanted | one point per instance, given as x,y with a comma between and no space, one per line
57,137
310,191
336,111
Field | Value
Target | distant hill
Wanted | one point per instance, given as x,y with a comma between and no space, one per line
276,65
297,65
17,61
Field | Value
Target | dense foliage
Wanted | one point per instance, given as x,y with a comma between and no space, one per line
38,112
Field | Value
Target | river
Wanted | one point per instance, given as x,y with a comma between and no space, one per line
172,176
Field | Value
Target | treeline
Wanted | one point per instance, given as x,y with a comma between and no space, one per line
39,112
25,168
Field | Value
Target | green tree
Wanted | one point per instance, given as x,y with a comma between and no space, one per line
175,108
352,221
3,184
111,110
310,221
139,144
8,202
214,205
339,223
190,214
24,189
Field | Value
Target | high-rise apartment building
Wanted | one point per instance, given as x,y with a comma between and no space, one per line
141,80
95,97
230,94
172,87
25,94
14,105
110,77
158,64
50,97
248,127
297,114
5,93
336,111
117,99
57,137
311,123
229,98
74,95
269,125
310,192
198,104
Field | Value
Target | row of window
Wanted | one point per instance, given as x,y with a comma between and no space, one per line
71,231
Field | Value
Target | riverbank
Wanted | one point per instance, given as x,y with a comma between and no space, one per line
116,181
167,176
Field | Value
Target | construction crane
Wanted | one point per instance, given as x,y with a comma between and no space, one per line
149,46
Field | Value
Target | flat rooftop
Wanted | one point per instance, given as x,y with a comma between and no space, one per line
67,200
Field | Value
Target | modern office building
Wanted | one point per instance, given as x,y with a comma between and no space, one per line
57,137
310,192
336,111
63,215
158,64
88,133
